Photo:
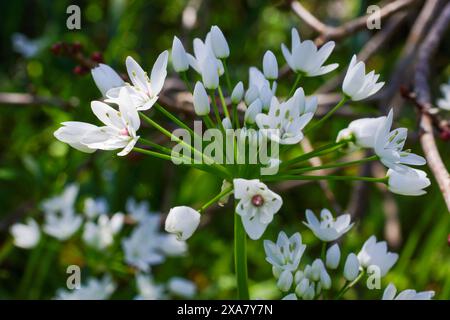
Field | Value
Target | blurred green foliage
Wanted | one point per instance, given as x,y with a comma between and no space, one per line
33,165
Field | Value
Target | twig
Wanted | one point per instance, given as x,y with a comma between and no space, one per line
30,99
422,89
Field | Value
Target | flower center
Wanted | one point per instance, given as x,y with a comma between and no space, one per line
124,132
257,200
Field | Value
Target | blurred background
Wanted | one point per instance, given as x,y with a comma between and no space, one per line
53,87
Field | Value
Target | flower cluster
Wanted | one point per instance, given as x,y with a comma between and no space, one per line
98,232
317,279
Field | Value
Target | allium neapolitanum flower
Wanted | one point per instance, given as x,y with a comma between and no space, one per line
333,256
305,58
94,289
444,102
351,267
390,293
221,108
26,235
357,84
409,182
328,228
100,235
286,253
375,253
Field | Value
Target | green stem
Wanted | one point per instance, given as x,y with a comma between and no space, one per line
209,123
216,198
240,258
235,116
153,153
329,114
348,285
328,147
224,105
328,177
227,75
216,110
156,146
333,165
297,79
324,251
177,121
186,80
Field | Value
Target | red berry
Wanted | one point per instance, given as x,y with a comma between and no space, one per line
56,48
77,47
80,70
448,240
445,134
97,56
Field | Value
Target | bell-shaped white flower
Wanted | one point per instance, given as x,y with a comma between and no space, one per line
285,281
100,235
375,253
253,110
363,131
389,147
328,228
182,221
201,100
357,85
305,58
26,235
144,91
182,287
286,253
285,121
444,102
409,294
238,93
106,78
257,205
409,183
179,56
333,256
351,267
270,66
219,43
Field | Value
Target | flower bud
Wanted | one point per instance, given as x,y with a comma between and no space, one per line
201,100
325,280
210,74
226,123
290,296
238,93
298,276
251,95
333,257
253,110
351,268
316,269
310,293
301,288
182,221
179,57
285,281
270,66
276,272
219,43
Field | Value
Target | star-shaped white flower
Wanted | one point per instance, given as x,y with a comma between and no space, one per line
286,253
257,205
409,294
375,253
328,229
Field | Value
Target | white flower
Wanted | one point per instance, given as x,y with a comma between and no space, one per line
219,43
144,91
93,290
106,78
290,296
120,126
259,87
351,267
26,235
95,207
357,85
444,103
254,109
333,256
389,147
171,246
285,281
100,235
409,294
409,183
325,279
375,253
182,221
305,58
201,100
328,229
285,121
182,287
179,57
257,205
73,132
206,64
238,93
63,225
139,211
63,202
141,248
286,253
147,289
363,130
270,65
